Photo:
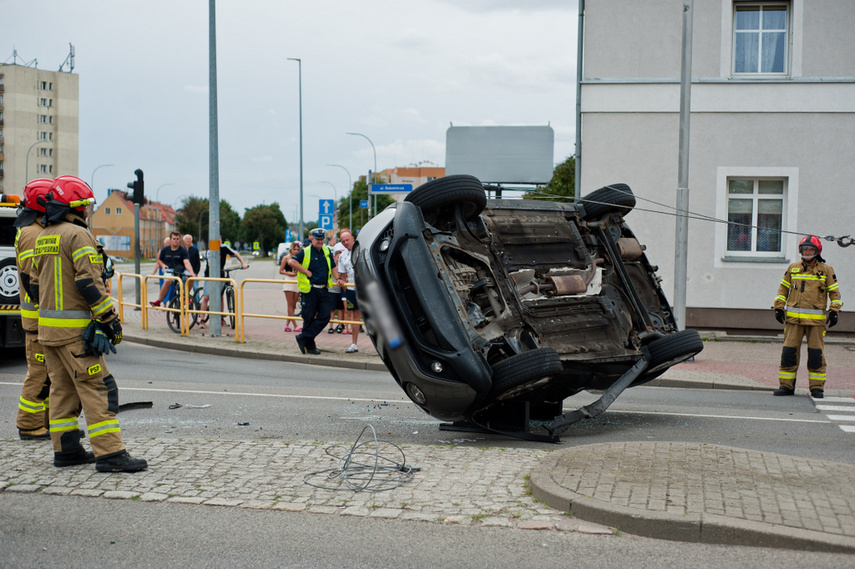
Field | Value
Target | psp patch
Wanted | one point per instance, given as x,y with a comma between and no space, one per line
47,245
93,369
40,358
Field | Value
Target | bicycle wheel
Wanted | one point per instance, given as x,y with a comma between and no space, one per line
173,319
194,302
230,303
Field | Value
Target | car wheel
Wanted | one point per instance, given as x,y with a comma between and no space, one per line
613,198
9,283
671,350
524,372
441,193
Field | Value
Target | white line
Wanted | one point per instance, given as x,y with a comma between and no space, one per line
848,428
839,400
836,408
406,401
720,416
842,418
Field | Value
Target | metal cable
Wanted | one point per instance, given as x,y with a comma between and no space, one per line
365,466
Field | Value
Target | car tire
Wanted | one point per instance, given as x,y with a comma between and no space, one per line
672,349
460,189
521,372
9,282
617,198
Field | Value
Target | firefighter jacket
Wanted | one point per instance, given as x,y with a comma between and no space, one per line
25,243
804,293
71,292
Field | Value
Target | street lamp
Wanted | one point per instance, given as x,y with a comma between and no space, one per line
349,195
300,94
92,177
157,193
27,170
335,201
375,164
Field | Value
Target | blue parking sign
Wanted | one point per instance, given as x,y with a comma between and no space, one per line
363,204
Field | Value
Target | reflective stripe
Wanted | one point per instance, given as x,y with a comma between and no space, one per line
65,318
835,286
786,375
68,424
66,313
808,277
103,307
808,313
57,282
816,376
779,297
32,314
786,283
83,251
836,302
109,426
25,255
30,406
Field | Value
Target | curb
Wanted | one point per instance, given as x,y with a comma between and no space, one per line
692,528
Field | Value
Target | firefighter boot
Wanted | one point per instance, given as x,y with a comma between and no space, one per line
784,390
62,459
35,435
119,462
817,393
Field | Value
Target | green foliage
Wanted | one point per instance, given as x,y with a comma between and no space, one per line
562,186
265,224
193,209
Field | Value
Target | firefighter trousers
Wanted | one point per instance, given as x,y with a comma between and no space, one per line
81,380
793,334
34,402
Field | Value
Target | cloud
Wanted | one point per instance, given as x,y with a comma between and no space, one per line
196,88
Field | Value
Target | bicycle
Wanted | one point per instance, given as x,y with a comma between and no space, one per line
229,292
172,300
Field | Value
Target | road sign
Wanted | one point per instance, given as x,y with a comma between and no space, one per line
325,222
255,245
288,236
363,204
326,207
391,188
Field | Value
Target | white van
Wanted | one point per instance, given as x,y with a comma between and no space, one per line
281,251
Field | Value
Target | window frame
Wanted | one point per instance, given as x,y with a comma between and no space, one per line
725,258
794,43
787,38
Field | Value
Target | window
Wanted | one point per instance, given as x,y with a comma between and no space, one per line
50,119
43,85
50,136
755,212
43,119
760,38
43,135
43,102
118,211
106,211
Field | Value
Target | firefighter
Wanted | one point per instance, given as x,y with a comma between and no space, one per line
801,307
32,420
77,326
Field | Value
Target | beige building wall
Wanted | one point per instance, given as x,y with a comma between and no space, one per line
41,121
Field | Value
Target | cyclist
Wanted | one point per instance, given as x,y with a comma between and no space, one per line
225,251
174,256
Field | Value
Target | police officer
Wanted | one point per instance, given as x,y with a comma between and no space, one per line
801,307
77,325
316,274
32,420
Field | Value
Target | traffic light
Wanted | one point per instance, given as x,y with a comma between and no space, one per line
138,187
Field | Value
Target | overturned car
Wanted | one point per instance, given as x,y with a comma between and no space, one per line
489,313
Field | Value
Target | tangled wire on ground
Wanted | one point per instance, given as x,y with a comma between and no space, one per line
376,474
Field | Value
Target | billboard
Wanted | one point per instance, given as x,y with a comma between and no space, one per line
501,154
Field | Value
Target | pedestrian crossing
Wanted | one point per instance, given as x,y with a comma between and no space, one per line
840,410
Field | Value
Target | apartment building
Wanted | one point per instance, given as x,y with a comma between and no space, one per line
39,125
772,140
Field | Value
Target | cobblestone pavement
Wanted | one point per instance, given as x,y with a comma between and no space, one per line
703,492
455,485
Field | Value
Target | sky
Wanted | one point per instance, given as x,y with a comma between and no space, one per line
399,73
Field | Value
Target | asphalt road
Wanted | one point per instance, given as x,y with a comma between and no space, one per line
251,399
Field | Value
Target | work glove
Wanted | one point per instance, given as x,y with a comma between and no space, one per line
780,315
113,329
831,320
96,341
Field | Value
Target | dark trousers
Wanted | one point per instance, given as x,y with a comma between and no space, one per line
317,307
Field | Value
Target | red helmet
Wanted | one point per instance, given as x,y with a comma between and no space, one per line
34,190
73,192
811,241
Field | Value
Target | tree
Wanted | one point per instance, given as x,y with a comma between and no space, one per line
265,224
563,183
359,193
195,209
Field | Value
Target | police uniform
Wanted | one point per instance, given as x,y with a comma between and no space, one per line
317,303
33,405
803,294
71,293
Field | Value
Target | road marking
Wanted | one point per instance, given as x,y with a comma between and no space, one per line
839,399
850,409
848,428
842,418
407,401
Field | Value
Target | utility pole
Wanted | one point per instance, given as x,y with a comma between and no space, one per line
681,245
216,300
